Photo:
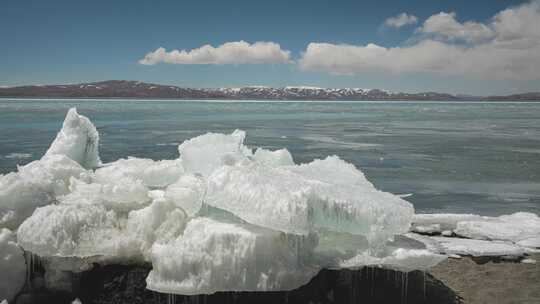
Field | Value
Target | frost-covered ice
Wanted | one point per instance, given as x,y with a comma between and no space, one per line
273,158
77,140
221,217
406,259
71,230
471,247
296,200
204,154
151,173
12,266
211,256
445,221
505,235
521,227
35,184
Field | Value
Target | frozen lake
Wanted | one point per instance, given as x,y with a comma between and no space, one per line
461,157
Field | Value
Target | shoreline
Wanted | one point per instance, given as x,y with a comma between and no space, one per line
491,282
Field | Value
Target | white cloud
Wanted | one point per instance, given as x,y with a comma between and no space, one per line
508,47
238,52
400,20
446,26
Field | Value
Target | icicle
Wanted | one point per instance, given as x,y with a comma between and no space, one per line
424,275
372,281
406,285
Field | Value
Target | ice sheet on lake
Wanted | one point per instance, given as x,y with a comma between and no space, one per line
471,247
519,227
446,221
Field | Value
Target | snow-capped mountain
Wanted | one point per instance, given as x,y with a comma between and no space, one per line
137,89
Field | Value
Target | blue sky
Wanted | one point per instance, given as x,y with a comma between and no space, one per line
45,42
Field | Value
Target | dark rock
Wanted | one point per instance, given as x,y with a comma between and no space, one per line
126,284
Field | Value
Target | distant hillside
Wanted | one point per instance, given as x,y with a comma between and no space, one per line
137,89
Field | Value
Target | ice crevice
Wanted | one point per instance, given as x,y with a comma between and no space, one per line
222,216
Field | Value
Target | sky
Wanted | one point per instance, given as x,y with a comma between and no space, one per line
479,47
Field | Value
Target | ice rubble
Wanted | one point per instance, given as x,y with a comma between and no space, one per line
35,184
218,218
12,266
520,229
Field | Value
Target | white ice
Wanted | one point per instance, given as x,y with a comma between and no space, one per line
152,173
471,247
325,194
521,227
204,154
35,184
275,158
12,266
446,221
72,230
213,256
401,258
78,140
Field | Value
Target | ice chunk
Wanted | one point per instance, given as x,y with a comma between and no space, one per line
73,230
160,222
12,266
213,256
447,221
35,184
77,140
121,194
401,258
428,229
296,200
333,170
275,158
152,173
470,247
515,227
188,193
531,242
204,154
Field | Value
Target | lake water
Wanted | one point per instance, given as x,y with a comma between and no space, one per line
452,157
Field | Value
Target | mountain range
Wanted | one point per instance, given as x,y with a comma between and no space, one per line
137,89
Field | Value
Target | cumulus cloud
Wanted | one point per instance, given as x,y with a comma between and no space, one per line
507,47
238,52
446,26
401,20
